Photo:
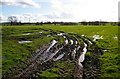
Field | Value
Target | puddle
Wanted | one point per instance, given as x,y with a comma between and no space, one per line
74,52
21,42
90,42
53,54
76,42
64,37
97,37
71,42
83,35
61,34
66,41
52,44
105,50
82,56
115,37
78,47
59,57
26,34
40,32
48,35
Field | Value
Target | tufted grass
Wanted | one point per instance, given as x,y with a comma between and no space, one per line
14,53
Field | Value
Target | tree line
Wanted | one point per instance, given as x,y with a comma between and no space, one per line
100,23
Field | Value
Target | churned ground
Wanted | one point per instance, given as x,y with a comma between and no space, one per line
15,52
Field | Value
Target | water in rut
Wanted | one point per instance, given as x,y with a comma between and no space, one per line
72,47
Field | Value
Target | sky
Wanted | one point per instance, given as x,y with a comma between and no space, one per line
59,10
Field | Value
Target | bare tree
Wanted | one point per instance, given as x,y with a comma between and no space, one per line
12,20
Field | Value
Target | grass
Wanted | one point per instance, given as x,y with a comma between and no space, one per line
110,58
13,53
60,67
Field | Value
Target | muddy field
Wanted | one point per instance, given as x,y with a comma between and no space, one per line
40,52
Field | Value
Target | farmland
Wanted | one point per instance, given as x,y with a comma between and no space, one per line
17,56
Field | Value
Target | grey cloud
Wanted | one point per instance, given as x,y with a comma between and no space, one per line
22,3
62,15
66,15
25,3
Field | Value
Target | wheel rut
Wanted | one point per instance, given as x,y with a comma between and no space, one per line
64,46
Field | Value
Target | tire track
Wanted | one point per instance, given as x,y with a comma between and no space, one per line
64,46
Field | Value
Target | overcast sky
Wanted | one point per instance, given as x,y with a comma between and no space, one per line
61,10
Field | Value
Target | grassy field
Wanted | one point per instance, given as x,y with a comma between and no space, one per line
110,58
14,53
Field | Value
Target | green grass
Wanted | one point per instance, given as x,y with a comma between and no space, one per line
14,53
0,52
110,58
50,73
60,67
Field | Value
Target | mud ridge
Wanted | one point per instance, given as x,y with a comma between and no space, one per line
65,46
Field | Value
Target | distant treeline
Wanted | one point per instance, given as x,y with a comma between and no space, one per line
64,23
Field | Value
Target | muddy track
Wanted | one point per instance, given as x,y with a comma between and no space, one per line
64,46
